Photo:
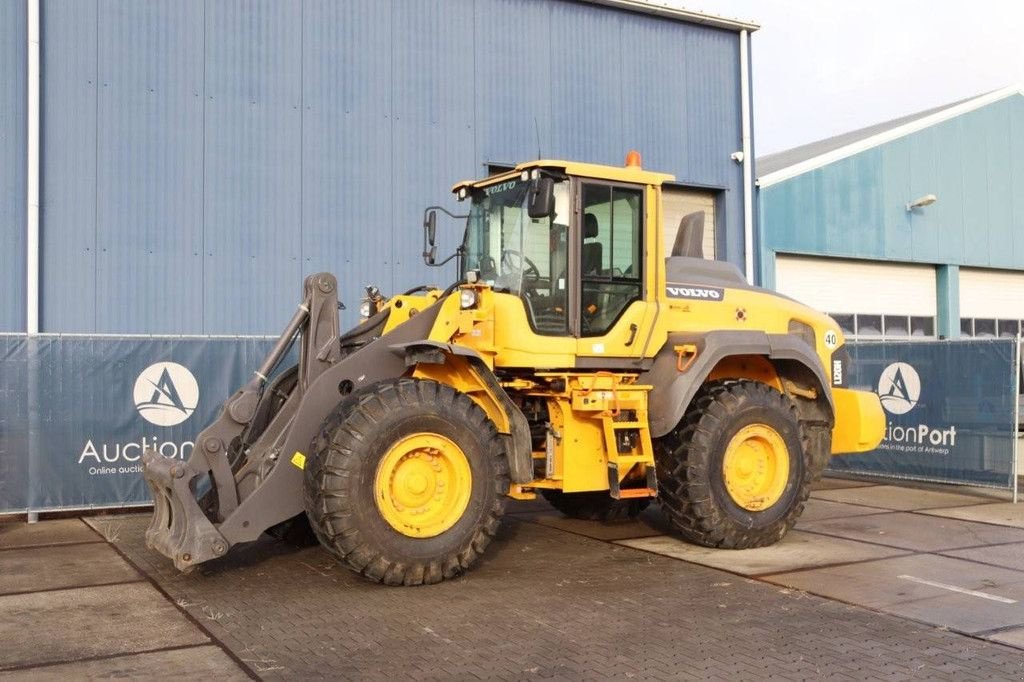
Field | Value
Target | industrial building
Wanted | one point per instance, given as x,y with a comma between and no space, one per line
192,161
909,228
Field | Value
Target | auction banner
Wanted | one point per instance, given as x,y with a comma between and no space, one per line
76,412
949,409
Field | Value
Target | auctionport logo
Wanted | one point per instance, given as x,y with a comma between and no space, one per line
899,388
166,394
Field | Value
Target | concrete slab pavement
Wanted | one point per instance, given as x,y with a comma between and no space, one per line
796,551
1013,637
939,590
205,662
57,532
830,483
73,624
916,531
897,497
72,607
1000,513
34,569
817,510
1007,556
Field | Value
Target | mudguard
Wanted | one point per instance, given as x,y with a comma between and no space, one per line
517,439
673,390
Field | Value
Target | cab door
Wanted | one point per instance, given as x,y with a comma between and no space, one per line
612,315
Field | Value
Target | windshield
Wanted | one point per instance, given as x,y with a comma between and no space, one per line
519,255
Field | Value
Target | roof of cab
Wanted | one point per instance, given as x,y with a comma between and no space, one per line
634,174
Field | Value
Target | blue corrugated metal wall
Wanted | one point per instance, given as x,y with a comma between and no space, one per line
13,55
856,207
200,158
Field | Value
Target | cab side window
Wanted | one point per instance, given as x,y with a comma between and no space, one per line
611,255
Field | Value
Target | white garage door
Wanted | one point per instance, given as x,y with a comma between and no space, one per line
868,299
991,302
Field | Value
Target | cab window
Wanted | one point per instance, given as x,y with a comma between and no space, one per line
611,254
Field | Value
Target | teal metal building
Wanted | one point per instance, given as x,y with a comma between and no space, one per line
913,227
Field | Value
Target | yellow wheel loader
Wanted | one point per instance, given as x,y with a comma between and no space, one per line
587,352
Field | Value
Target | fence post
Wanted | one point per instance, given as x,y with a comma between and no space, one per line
1016,415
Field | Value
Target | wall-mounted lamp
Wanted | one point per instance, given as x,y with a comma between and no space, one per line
921,202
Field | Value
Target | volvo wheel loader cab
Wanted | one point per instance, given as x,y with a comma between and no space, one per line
586,352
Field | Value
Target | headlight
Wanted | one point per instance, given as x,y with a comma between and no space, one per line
467,298
365,309
803,330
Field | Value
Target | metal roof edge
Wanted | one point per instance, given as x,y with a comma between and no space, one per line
105,335
834,155
678,13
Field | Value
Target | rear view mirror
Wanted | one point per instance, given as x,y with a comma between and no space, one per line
431,227
429,235
540,201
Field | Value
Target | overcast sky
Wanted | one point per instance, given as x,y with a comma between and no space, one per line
826,67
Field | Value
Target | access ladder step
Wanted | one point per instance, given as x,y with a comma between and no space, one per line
617,492
635,493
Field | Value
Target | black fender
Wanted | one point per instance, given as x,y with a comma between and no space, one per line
673,390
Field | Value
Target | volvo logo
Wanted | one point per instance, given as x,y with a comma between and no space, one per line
166,394
705,293
899,388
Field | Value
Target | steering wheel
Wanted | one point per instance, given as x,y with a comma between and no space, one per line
531,275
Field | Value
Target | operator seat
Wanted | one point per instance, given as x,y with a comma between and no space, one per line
690,236
590,257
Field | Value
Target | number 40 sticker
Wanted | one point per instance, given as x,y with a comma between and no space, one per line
831,339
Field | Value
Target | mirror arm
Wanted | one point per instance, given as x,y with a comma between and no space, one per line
444,210
457,254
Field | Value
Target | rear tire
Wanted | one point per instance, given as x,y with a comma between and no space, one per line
407,482
761,497
594,506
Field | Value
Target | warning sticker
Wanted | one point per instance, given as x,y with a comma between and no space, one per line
299,460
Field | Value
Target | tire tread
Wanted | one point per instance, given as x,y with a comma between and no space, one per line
684,459
329,506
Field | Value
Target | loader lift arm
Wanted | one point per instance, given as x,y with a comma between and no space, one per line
184,527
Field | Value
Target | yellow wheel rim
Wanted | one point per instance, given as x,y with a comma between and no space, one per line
756,467
423,485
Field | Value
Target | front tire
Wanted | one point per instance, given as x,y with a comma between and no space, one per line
407,483
735,472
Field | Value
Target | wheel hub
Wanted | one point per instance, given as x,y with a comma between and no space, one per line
756,467
423,485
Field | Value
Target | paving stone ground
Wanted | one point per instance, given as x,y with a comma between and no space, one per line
552,599
547,603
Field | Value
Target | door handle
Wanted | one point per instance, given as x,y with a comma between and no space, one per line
632,334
